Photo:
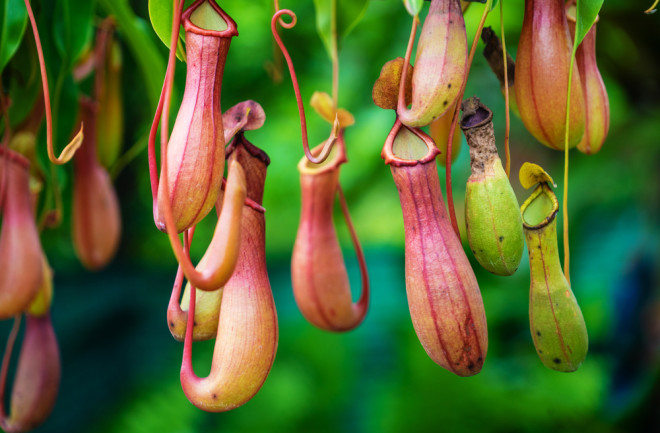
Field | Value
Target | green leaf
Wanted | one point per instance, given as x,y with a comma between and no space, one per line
349,14
493,4
73,28
13,21
413,6
586,14
24,80
139,38
160,14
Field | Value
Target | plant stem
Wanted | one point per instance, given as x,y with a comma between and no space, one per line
507,131
162,110
325,151
406,61
335,54
66,154
364,298
196,278
567,256
452,129
190,323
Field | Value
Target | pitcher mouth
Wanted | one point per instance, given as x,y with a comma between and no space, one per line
540,208
206,18
412,148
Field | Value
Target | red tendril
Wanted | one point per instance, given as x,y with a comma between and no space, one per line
162,111
363,302
406,62
507,131
450,196
68,152
327,147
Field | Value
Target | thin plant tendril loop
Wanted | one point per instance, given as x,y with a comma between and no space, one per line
327,147
294,18
70,149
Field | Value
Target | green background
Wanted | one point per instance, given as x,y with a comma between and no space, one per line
120,366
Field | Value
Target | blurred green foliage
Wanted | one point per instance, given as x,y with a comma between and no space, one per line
121,366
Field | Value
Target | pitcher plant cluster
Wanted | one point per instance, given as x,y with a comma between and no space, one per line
206,164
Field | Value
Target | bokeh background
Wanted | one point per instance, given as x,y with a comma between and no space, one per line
120,365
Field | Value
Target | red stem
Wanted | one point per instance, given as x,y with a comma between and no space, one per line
281,21
62,159
190,323
162,111
175,298
450,195
404,72
323,155
363,302
507,131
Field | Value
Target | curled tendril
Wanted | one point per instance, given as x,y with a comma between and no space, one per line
327,146
70,149
294,18
363,302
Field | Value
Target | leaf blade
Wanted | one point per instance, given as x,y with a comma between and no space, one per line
160,15
586,14
13,23
349,14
